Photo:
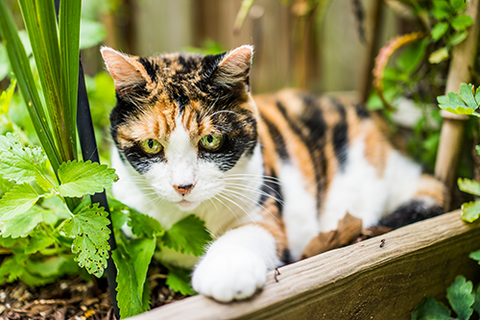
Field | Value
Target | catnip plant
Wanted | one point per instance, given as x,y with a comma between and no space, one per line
48,226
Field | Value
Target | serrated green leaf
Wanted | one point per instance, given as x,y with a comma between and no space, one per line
12,267
132,261
461,22
38,241
466,93
461,297
17,201
476,304
439,55
188,235
475,255
141,251
471,210
469,186
477,97
81,178
431,309
5,185
90,230
441,9
458,5
48,267
458,38
10,242
179,281
20,163
22,224
453,103
119,217
439,30
144,225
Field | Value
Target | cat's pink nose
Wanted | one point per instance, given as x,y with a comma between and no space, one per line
183,189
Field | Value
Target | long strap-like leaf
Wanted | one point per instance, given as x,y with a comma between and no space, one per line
21,68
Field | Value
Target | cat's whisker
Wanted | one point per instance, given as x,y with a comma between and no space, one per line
238,194
236,204
243,187
228,207
248,181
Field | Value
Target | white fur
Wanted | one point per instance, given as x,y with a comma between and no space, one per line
361,192
300,212
224,200
235,265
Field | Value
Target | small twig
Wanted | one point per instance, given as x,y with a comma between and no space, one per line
157,276
277,273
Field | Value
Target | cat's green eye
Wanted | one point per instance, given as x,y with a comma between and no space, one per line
151,146
212,142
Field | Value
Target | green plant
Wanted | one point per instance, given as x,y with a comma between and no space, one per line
465,102
412,69
47,225
462,296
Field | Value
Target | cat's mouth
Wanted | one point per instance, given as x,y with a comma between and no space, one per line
187,205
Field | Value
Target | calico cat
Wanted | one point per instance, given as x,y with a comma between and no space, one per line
265,173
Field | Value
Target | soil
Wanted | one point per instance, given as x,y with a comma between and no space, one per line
73,298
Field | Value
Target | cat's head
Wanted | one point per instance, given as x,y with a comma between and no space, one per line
183,121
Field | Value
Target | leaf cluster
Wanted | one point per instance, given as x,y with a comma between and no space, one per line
462,296
133,256
466,101
450,25
25,211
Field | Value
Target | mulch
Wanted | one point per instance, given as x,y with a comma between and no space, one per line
73,298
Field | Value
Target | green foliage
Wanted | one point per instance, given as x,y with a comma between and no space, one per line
23,215
461,298
464,102
132,259
133,256
90,231
179,281
81,178
191,242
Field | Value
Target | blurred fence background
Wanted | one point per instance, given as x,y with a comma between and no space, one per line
321,46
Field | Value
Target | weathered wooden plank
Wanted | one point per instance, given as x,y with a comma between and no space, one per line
361,281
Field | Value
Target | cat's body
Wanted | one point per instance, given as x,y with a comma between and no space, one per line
265,174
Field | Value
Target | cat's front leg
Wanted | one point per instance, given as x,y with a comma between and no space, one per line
235,265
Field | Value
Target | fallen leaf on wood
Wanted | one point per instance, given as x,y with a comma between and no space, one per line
349,228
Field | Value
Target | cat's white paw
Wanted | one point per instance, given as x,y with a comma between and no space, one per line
230,274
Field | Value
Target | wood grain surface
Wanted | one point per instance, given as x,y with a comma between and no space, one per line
381,278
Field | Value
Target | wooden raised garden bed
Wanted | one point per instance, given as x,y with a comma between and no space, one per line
381,278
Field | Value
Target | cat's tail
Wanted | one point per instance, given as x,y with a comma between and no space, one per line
429,201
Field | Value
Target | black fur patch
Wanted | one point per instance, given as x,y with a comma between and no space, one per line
277,139
150,67
410,212
362,111
286,256
270,188
340,137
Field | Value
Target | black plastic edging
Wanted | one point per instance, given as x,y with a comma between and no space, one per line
90,152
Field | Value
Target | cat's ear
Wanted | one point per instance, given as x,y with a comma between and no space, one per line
126,70
234,68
